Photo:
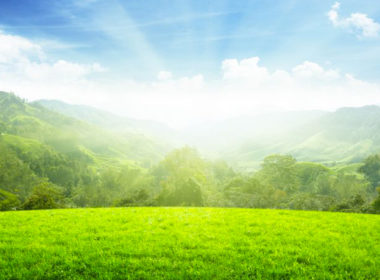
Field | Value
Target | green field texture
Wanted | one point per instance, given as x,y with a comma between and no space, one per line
188,243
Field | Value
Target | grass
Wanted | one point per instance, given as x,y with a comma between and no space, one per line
188,243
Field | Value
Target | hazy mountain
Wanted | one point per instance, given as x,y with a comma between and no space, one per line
221,135
67,134
109,121
212,138
344,136
347,135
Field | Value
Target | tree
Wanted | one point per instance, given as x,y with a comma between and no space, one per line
44,196
309,201
356,203
252,192
186,193
314,178
15,175
2,128
376,202
138,198
280,172
371,170
8,201
222,173
183,176
346,186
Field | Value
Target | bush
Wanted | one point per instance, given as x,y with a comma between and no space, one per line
138,198
355,204
376,203
8,201
44,196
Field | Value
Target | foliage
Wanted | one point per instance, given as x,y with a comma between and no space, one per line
8,201
280,172
376,203
44,196
371,170
15,175
182,176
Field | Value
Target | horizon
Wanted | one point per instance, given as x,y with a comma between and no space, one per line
196,62
184,128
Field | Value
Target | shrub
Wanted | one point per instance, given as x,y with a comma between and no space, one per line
44,196
8,201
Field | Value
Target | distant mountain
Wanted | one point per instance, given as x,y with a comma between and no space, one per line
66,134
221,135
211,138
112,122
345,136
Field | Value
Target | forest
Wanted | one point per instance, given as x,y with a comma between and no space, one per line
51,160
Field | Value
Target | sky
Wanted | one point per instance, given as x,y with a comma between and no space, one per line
185,62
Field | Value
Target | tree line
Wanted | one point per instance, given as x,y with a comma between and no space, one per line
183,178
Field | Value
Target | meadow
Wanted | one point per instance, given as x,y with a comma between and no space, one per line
188,243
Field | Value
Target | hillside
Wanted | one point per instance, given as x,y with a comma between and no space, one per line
54,155
67,134
219,136
342,137
112,122
188,243
51,160
345,136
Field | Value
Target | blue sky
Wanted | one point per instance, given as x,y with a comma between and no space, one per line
134,40
139,38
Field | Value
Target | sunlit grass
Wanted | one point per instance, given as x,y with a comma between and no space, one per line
177,243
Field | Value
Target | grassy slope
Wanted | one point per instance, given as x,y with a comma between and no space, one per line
176,243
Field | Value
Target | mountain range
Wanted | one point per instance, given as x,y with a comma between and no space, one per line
344,136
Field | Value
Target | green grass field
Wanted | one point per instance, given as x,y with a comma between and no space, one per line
188,243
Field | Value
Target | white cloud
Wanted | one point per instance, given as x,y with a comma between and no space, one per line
61,70
312,70
249,71
245,69
358,23
244,87
26,70
164,75
15,49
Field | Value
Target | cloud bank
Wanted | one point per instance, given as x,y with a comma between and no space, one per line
244,87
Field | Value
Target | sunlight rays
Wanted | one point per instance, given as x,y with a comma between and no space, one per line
107,17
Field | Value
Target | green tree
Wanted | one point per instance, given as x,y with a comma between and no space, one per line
346,186
376,202
280,172
253,193
371,170
2,128
45,196
310,201
313,178
15,175
183,177
8,201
